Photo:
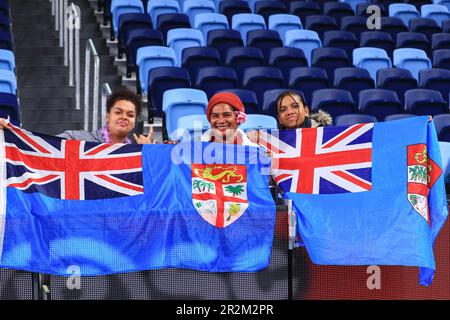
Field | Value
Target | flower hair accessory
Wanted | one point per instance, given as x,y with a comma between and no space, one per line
240,116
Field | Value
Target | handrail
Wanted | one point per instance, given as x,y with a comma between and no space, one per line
90,49
72,25
106,91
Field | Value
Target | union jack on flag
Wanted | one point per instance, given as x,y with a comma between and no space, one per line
321,160
71,169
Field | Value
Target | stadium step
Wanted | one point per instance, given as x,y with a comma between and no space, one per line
43,115
55,80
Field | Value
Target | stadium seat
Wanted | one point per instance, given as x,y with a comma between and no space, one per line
307,40
404,12
341,39
195,58
398,116
140,38
191,127
155,8
354,3
338,10
425,102
6,41
242,58
182,102
321,24
168,21
361,9
195,7
259,122
445,3
287,58
270,97
353,80
379,103
8,82
245,22
351,119
231,8
412,59
413,40
268,8
260,79
284,22
436,79
162,79
119,7
182,38
248,98
333,101
440,41
436,12
5,23
265,40
441,59
213,79
302,9
151,57
372,59
355,25
308,80
393,26
9,107
397,79
426,26
378,39
206,22
442,125
418,3
7,60
128,22
222,40
4,7
330,59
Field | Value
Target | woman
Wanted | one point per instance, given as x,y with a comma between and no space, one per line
122,109
225,112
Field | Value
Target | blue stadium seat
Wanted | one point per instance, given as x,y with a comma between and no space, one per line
361,9
379,103
398,116
245,22
168,21
372,59
248,98
307,40
355,25
436,79
231,8
8,82
287,58
354,3
426,26
119,7
195,58
425,102
418,3
441,59
140,38
330,59
393,26
265,40
9,107
270,97
268,8
155,8
6,41
378,39
195,7
436,12
442,124
151,57
222,40
284,22
413,40
440,41
338,10
162,79
397,79
303,9
5,23
259,122
182,38
242,58
308,80
4,7
7,60
182,102
445,3
260,79
412,59
341,39
191,127
206,22
321,24
333,101
213,79
353,80
128,22
351,119
404,12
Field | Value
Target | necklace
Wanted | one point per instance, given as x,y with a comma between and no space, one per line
107,138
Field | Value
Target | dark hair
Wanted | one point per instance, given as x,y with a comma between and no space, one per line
123,93
291,94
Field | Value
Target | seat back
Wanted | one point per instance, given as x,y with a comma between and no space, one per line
8,82
379,103
206,22
182,38
307,40
411,59
371,59
283,23
244,22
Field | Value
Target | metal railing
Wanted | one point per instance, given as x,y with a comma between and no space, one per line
106,92
90,50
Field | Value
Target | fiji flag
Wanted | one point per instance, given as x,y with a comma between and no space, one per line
364,194
110,208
